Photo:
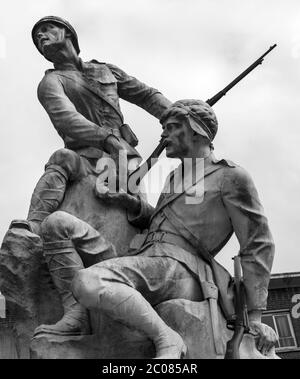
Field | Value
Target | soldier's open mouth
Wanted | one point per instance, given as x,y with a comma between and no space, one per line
44,40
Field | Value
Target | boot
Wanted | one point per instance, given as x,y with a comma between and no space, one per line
128,306
62,267
47,196
170,345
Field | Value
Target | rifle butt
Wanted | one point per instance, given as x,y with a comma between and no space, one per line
233,345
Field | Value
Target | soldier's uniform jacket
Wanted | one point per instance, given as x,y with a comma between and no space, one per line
229,204
84,105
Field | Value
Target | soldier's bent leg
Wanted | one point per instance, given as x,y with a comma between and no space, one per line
63,166
64,235
114,287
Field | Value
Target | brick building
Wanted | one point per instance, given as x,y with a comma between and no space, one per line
283,313
7,341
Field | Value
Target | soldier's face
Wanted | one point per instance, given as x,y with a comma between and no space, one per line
49,37
179,138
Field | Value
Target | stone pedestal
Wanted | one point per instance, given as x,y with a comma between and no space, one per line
27,286
33,300
111,221
113,340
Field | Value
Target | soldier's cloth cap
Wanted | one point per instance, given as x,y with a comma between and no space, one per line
60,22
202,118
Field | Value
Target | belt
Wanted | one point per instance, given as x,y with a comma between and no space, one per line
173,239
209,289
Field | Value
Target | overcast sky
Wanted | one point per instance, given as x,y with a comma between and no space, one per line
187,49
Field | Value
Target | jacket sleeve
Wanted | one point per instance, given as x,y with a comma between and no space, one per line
64,116
251,228
136,92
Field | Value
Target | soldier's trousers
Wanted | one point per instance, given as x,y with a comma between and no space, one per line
64,233
64,166
157,278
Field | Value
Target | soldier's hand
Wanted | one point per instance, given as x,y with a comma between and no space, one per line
265,336
120,198
118,154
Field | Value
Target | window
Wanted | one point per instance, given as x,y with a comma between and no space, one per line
281,323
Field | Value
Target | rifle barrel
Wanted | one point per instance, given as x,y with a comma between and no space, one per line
223,92
146,166
138,174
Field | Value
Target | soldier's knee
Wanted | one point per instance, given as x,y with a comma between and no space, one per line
67,160
63,155
87,287
54,225
79,285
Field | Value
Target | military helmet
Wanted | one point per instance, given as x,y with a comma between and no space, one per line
60,22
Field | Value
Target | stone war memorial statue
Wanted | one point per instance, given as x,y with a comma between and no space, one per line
97,273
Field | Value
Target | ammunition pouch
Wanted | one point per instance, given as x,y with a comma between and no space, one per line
128,135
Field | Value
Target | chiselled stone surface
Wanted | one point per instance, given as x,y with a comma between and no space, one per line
112,340
24,276
115,340
32,297
192,320
26,285
109,220
58,347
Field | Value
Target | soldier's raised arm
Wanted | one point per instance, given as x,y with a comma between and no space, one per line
137,92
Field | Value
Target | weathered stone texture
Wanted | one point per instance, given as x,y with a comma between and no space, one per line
33,299
115,340
27,286
24,277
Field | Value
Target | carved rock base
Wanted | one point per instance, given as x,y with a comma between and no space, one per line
32,300
27,286
111,340
114,340
31,296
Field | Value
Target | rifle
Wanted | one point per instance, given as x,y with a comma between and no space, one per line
222,93
240,324
2,306
138,174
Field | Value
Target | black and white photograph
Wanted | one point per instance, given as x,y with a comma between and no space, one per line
149,204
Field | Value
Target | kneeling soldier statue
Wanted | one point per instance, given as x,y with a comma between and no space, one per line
184,233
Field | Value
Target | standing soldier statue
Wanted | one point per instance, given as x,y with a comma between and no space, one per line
82,101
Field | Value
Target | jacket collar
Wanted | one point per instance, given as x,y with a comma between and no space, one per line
84,67
69,66
86,82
